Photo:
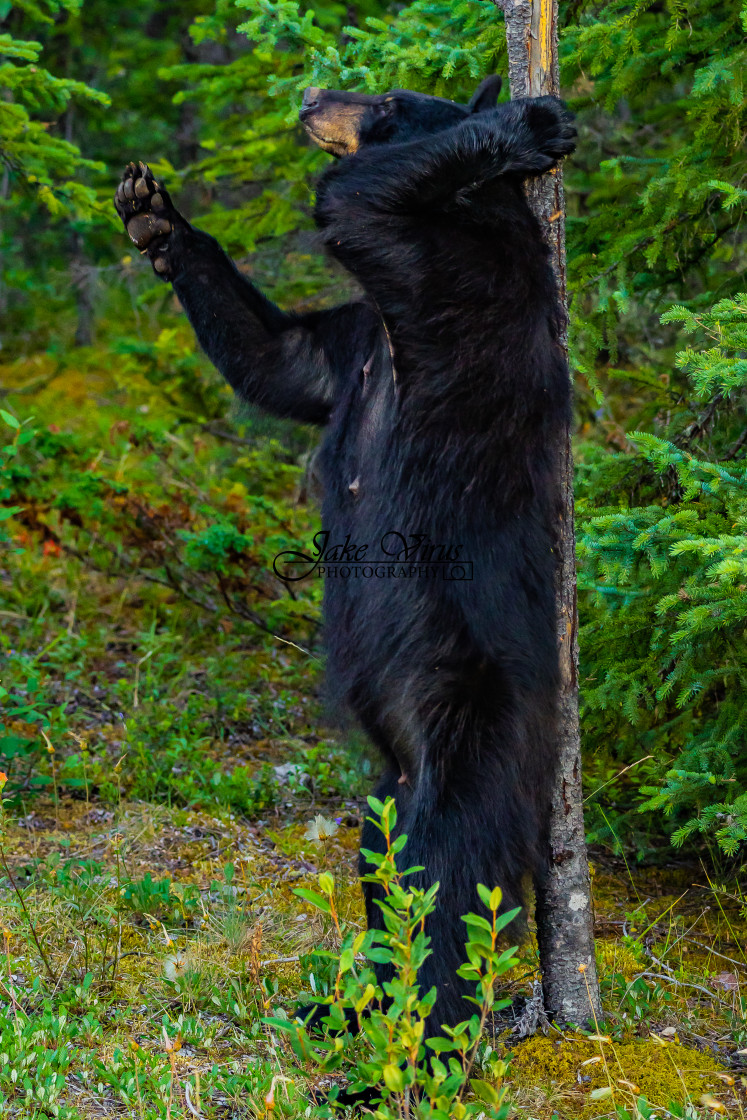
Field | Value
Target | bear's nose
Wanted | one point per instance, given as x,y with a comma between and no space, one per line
310,97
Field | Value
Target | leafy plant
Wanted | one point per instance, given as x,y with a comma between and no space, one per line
19,435
417,1076
37,1052
158,899
22,710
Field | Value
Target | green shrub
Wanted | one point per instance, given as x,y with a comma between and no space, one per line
433,1077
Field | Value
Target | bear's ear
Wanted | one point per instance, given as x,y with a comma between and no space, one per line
486,94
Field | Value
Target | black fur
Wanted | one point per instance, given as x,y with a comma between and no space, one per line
445,395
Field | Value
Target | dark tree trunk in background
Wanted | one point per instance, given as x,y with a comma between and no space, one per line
81,272
4,192
565,924
82,276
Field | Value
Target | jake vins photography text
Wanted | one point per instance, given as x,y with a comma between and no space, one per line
395,556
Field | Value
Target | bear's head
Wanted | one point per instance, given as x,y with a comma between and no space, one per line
341,122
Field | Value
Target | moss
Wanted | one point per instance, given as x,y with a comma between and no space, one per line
615,958
661,1073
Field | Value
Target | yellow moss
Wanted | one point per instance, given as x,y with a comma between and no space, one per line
661,1073
28,372
614,957
350,901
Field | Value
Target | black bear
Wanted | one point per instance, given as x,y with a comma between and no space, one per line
444,393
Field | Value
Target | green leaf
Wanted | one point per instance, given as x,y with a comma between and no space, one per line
314,898
485,1092
496,897
327,883
441,1045
393,1078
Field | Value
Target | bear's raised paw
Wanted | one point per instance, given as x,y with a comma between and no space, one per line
552,129
148,215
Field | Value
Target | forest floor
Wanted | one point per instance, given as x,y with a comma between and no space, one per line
167,772
144,927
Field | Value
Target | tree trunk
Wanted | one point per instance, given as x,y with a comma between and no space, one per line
81,275
565,923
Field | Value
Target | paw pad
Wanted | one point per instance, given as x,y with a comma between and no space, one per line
145,208
142,228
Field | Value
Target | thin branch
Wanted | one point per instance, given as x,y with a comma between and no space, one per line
673,980
50,971
642,244
738,444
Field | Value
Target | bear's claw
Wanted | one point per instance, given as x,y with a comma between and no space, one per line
147,213
553,129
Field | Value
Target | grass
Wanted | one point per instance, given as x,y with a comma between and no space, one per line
156,923
170,932
163,736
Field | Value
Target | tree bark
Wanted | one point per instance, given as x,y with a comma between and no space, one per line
565,923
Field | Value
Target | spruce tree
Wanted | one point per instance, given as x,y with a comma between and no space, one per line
664,593
35,160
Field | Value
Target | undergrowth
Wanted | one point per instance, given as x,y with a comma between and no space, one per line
180,827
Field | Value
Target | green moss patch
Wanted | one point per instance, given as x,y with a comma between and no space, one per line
572,1069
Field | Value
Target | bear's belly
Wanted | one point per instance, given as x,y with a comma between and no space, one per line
419,561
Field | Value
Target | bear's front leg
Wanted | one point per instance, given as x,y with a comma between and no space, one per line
148,215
